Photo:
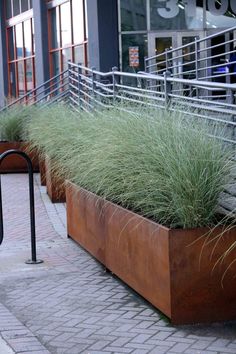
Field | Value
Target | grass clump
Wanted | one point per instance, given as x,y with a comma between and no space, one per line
13,122
151,161
153,164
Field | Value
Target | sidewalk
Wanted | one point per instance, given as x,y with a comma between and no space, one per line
69,304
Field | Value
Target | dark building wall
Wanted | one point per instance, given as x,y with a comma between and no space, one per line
3,57
103,41
41,42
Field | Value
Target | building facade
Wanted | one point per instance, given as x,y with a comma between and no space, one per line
38,37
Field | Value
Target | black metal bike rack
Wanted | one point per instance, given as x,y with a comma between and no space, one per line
33,259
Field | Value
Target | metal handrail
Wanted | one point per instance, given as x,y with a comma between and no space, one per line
47,90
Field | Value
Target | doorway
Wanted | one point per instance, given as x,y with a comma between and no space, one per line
180,62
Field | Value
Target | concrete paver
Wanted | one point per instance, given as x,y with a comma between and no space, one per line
70,304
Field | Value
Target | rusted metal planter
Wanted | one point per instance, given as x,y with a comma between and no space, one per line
55,186
161,264
15,163
42,172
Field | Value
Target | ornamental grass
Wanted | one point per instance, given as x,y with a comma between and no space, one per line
153,162
13,122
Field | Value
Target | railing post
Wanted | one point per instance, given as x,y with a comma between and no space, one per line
167,88
166,59
79,83
197,61
69,77
114,82
93,85
145,64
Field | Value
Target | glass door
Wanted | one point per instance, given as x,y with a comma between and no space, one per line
181,60
158,45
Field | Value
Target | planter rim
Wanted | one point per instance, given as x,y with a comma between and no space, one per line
204,229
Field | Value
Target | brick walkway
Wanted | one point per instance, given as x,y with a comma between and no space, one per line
69,304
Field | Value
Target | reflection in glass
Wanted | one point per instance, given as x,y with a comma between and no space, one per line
55,63
133,15
27,38
78,21
55,30
220,16
166,15
66,55
24,5
16,7
29,75
21,82
79,55
65,24
8,9
138,40
12,72
188,54
11,42
19,41
33,36
161,44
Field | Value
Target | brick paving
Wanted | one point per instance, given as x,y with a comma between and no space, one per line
70,304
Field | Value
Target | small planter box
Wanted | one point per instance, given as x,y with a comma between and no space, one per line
161,264
15,163
55,186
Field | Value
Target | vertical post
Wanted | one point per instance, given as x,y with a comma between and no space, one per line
197,57
145,64
69,78
167,88
79,83
32,212
1,214
93,85
166,59
114,83
233,117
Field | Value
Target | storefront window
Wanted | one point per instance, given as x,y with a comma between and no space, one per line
55,28
8,9
78,26
27,38
221,13
67,32
134,49
21,69
79,54
16,7
133,15
19,40
24,5
29,75
65,24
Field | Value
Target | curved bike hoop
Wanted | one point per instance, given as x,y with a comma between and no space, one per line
33,259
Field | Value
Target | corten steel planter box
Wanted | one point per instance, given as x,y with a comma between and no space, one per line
161,264
15,163
55,186
42,172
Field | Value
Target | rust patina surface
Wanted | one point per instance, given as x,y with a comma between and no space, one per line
180,272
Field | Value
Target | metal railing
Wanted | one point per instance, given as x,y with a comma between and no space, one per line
91,90
54,89
208,58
